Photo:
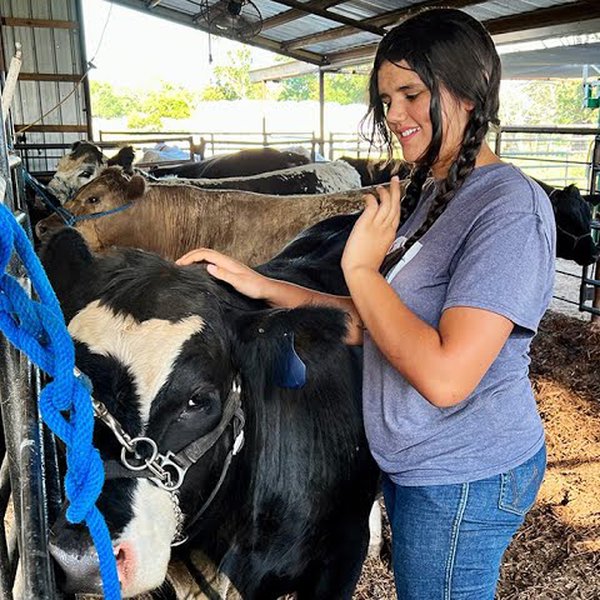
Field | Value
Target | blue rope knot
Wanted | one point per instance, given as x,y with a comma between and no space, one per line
38,330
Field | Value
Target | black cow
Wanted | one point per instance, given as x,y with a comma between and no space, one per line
170,351
237,164
573,223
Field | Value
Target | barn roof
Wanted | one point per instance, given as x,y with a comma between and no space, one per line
330,34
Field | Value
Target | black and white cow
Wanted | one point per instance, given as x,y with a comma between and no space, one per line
170,351
313,178
83,163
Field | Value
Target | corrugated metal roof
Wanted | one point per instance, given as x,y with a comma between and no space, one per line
334,33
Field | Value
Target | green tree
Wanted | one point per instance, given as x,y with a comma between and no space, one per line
140,121
304,87
107,103
170,101
550,102
346,88
232,81
343,88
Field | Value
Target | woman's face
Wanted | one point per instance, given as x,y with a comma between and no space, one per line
406,100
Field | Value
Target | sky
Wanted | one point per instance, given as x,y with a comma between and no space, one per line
139,50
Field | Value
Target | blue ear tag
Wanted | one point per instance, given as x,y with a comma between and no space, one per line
290,371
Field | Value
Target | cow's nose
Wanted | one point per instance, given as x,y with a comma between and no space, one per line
126,564
41,229
73,551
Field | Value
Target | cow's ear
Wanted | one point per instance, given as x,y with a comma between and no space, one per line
124,158
71,269
592,199
136,187
289,346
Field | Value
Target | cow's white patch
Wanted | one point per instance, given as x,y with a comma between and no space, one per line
148,349
148,537
337,175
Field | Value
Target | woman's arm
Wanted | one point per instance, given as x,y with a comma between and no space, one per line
273,291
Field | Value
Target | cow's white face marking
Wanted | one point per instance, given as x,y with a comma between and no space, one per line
148,538
148,349
71,174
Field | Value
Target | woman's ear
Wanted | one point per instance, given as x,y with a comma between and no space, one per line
467,105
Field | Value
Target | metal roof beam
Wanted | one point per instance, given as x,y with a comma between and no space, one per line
319,12
291,15
387,18
282,71
545,17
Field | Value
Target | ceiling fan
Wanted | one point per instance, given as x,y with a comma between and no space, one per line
239,19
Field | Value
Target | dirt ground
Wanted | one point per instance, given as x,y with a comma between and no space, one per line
556,554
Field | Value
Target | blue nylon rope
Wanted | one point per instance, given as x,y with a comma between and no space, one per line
38,329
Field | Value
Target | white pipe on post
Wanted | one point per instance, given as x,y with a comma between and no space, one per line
11,80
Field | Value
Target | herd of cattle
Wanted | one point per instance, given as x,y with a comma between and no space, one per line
276,481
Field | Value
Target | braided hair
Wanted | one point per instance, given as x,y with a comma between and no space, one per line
447,49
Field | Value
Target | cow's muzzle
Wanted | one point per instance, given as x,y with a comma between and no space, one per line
46,227
72,549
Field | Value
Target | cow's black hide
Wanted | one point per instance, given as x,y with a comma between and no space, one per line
293,511
313,258
237,164
573,224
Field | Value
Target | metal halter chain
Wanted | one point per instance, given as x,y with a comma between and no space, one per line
167,471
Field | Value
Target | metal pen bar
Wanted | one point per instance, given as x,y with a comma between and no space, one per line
7,572
22,432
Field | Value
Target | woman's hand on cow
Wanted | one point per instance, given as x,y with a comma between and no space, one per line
374,231
223,267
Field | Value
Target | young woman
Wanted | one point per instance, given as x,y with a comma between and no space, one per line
448,305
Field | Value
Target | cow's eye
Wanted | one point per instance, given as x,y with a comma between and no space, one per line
202,400
86,174
93,200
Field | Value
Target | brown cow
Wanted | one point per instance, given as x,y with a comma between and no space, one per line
173,219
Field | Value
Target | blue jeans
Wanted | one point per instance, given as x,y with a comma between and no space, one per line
448,540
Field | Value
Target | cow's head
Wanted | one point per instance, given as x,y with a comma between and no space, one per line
164,347
108,192
84,162
573,226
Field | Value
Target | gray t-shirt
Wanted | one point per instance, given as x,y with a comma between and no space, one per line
492,248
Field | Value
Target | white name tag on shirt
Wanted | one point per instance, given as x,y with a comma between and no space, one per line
408,256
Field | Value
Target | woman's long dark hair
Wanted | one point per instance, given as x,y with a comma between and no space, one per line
448,49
